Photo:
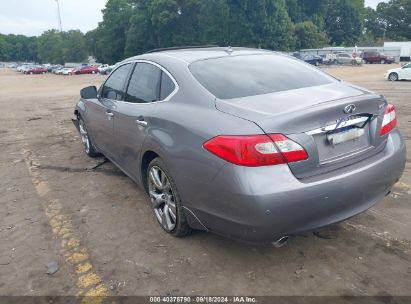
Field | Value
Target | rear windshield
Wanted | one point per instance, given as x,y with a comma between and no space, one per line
241,76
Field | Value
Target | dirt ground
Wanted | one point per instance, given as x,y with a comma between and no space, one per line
98,225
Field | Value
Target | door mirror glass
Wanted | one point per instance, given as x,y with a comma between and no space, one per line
89,92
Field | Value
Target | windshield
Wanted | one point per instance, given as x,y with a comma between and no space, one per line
241,76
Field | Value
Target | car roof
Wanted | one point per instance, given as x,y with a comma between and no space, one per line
190,55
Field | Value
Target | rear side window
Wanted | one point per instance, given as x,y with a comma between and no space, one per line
114,86
144,84
241,76
167,86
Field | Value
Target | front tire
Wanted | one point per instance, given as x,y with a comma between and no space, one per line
393,77
88,146
165,199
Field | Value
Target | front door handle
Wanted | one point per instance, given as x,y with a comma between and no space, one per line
109,114
141,122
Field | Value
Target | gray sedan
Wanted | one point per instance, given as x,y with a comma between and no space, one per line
250,144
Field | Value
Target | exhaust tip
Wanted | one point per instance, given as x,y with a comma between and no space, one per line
280,242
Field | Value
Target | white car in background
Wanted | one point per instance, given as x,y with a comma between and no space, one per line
25,68
103,68
66,71
402,73
346,58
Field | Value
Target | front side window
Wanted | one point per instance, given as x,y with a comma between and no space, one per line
250,75
144,84
114,86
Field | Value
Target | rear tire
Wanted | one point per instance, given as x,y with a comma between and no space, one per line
393,76
88,146
165,199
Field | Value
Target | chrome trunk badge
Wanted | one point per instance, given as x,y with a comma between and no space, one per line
350,109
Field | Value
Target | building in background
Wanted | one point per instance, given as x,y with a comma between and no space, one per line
405,48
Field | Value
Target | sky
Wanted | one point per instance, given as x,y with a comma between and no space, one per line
32,17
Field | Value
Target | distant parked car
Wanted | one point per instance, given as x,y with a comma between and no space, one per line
86,70
54,67
57,69
402,73
36,70
110,68
345,58
376,57
25,68
103,68
21,67
12,65
313,59
66,71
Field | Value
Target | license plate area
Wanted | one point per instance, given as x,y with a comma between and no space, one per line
344,135
342,143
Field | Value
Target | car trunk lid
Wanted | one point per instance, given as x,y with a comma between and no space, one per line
337,124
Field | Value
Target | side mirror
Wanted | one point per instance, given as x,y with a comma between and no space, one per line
89,92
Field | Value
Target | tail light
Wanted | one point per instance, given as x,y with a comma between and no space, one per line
389,121
256,150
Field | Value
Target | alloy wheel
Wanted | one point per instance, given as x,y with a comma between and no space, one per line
393,77
162,198
84,136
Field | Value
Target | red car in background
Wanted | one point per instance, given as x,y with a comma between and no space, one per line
377,57
36,70
86,70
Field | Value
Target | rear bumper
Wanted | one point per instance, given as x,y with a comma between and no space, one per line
264,203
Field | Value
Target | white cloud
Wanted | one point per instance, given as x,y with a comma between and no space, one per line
373,3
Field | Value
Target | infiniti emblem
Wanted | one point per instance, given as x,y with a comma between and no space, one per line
349,109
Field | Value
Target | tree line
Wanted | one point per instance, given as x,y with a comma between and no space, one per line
132,27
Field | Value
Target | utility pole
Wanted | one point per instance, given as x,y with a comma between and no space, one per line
59,16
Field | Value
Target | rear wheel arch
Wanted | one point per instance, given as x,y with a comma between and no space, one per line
148,156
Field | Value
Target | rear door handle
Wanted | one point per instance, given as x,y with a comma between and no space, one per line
141,122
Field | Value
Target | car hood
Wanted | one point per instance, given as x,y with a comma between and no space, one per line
393,70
